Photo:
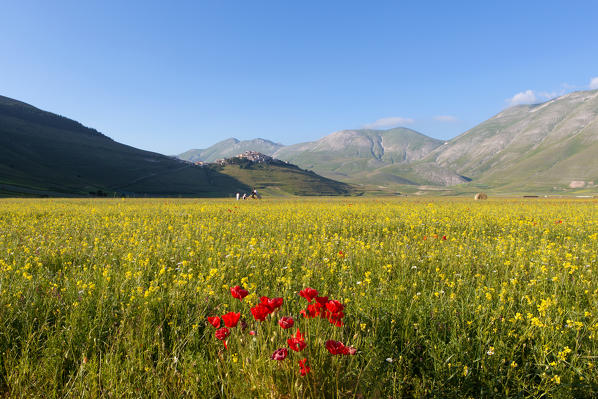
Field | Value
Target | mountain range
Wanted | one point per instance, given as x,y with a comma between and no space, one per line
550,147
545,147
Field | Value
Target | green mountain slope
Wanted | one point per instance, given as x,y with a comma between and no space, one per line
229,148
45,154
553,145
371,156
276,177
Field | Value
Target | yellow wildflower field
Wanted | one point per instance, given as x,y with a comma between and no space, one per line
441,297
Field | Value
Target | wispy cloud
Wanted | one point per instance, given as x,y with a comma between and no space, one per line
594,83
446,118
532,97
524,97
391,121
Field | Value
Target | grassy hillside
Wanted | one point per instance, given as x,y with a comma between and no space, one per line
45,154
280,178
550,146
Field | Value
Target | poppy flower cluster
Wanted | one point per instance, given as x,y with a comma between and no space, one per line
332,310
338,348
265,307
297,342
322,307
231,319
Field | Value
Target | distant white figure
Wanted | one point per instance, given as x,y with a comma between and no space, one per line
238,196
244,196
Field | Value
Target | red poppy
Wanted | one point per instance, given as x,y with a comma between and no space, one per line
276,302
272,303
444,238
308,293
238,292
297,343
221,334
303,367
313,310
336,319
260,311
286,322
334,347
322,300
251,332
214,320
264,300
334,306
280,354
341,254
338,348
231,319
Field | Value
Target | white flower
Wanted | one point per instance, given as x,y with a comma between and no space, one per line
389,359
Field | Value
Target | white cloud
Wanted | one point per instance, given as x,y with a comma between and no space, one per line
391,121
532,97
446,118
524,97
594,83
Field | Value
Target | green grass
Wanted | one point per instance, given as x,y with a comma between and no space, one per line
279,178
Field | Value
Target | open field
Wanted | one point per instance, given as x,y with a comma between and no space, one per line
442,297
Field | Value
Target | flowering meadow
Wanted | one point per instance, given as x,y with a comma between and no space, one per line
348,298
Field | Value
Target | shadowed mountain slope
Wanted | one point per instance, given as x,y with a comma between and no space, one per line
46,154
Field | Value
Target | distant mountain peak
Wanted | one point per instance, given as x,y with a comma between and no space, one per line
230,148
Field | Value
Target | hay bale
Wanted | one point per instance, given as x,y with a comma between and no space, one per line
480,196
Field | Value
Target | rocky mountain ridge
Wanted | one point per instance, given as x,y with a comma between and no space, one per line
547,146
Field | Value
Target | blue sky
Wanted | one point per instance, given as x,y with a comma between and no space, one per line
170,76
